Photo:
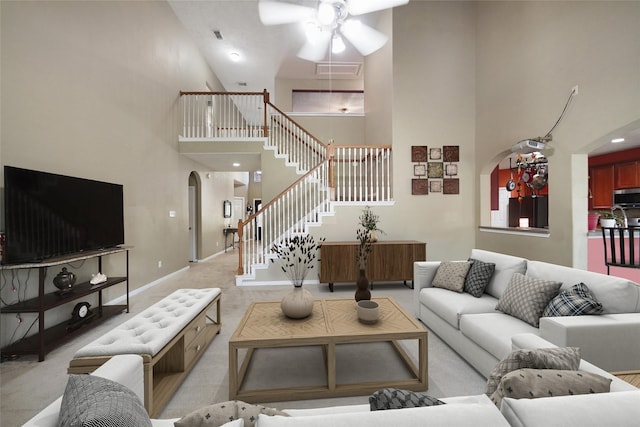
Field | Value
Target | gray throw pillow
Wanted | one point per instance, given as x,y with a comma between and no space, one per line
478,277
219,413
565,358
393,398
576,301
92,401
526,297
451,274
534,383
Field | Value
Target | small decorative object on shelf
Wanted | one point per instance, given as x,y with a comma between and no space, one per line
64,281
296,256
80,315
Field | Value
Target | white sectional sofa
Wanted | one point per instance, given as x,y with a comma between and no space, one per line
619,408
482,335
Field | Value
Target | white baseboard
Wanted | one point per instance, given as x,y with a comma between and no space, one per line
150,285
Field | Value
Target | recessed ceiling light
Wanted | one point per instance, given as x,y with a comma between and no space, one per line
615,141
235,56
235,165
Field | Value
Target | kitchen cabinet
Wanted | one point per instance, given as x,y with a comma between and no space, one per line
601,186
627,175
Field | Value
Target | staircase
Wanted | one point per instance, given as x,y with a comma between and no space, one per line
330,174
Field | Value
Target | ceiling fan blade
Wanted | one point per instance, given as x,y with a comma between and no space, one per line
364,38
316,50
276,13
360,7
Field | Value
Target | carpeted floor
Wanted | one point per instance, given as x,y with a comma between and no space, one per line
27,386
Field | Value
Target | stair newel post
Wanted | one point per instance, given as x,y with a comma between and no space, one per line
265,95
240,248
331,156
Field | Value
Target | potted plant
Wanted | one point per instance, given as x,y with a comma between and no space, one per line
369,221
608,219
297,256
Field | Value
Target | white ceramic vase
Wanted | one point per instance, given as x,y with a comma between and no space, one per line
607,222
298,303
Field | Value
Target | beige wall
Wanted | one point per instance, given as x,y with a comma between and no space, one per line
90,89
433,105
529,56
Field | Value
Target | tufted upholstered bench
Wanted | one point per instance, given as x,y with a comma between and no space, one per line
170,336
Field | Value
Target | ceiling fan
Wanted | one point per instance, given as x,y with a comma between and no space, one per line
327,24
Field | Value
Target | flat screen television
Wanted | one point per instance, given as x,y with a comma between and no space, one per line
48,215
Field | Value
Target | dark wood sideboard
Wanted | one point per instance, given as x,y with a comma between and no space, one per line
389,261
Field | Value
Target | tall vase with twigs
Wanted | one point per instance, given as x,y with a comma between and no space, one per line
364,250
296,256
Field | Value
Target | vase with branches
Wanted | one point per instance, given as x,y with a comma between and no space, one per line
296,256
364,250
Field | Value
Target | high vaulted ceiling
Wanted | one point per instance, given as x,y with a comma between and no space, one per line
269,52
265,52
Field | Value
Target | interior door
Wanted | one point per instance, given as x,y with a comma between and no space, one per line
192,223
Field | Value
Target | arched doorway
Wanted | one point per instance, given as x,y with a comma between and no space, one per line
195,218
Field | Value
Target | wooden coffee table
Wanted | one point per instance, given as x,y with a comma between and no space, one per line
333,322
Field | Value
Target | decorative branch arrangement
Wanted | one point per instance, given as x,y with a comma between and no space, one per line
364,249
296,256
366,235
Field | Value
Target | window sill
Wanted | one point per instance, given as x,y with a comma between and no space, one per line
520,231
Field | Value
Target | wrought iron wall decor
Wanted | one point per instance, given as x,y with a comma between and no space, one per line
436,170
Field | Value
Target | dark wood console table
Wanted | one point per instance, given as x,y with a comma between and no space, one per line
389,261
48,338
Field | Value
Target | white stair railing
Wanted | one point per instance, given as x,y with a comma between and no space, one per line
292,212
362,173
290,140
211,115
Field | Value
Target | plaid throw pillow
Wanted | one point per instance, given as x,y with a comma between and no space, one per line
393,398
90,400
567,358
478,277
576,301
526,297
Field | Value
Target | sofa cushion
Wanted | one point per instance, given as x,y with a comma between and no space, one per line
220,413
506,265
493,331
450,415
89,400
535,383
451,275
576,301
566,358
619,409
478,277
526,297
451,305
616,295
394,398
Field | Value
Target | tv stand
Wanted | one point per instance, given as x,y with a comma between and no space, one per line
46,339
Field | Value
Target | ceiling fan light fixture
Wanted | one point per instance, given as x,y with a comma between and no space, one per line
327,14
337,44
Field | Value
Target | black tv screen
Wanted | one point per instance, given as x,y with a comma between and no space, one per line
48,215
